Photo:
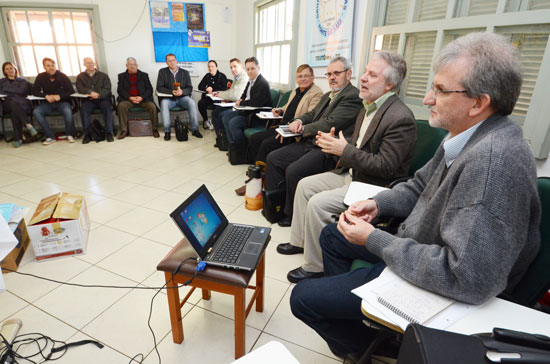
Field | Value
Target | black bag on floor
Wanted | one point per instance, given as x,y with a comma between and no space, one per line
221,140
181,130
237,153
97,132
274,204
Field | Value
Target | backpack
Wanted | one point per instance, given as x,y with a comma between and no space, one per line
181,130
97,133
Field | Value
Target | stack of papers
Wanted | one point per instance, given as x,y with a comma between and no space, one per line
285,132
214,98
359,191
12,214
267,115
225,104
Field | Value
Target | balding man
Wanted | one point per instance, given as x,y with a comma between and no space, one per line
97,87
135,90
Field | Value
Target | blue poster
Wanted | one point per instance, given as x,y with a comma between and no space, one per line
169,24
329,33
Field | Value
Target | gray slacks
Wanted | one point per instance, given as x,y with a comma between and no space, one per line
318,198
124,106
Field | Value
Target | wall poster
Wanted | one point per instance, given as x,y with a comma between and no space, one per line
329,32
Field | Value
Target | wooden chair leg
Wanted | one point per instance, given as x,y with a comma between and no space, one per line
174,308
240,323
206,294
260,279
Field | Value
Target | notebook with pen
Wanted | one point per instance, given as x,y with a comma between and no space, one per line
214,238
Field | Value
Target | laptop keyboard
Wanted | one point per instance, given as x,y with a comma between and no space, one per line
231,248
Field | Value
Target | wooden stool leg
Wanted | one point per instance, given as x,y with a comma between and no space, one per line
206,294
174,308
260,277
239,322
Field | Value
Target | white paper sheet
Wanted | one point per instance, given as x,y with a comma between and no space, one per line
7,243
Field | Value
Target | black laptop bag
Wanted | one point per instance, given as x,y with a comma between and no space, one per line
237,153
274,204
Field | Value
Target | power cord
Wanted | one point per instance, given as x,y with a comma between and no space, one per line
9,353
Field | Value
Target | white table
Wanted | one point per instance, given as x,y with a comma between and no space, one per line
271,353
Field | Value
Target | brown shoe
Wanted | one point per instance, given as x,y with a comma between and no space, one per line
241,190
122,134
156,133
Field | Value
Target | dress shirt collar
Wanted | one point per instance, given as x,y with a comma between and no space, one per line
453,146
377,103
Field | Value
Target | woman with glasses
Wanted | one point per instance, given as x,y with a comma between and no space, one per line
302,99
14,90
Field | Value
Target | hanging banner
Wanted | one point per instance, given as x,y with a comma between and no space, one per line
329,32
198,38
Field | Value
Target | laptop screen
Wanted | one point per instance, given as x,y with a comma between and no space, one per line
200,219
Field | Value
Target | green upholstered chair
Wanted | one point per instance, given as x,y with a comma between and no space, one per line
284,98
275,96
427,142
537,279
274,99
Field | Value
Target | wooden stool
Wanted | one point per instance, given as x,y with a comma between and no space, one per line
211,279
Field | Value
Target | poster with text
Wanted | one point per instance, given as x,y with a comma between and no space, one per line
195,16
159,15
198,38
329,32
177,12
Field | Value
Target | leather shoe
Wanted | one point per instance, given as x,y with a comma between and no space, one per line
197,133
299,274
156,133
122,134
285,221
109,137
289,249
167,136
241,190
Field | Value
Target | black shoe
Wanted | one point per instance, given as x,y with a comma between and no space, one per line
109,137
86,139
299,274
289,249
167,136
197,133
285,221
156,133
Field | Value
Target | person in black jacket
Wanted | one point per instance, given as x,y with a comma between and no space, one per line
214,80
15,103
57,89
134,89
257,93
175,81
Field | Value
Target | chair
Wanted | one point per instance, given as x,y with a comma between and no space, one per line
75,107
282,101
536,281
275,96
216,279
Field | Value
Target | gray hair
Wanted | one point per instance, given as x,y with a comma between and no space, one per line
130,59
397,70
344,60
495,68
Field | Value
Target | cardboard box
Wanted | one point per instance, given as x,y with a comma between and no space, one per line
60,226
12,260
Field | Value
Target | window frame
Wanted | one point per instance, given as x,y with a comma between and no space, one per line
93,9
536,127
260,5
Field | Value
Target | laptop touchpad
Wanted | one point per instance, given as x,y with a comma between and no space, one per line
252,248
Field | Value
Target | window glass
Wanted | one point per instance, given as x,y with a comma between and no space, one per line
396,12
418,54
432,10
40,27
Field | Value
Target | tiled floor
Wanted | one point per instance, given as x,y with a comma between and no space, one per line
131,186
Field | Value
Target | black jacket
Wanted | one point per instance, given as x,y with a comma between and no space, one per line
16,91
260,93
218,82
61,85
165,81
144,86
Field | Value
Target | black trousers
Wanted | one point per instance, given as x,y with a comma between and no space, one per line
264,142
290,164
18,118
205,103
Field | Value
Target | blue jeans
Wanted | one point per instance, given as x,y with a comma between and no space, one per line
185,102
45,108
327,304
86,112
235,123
217,116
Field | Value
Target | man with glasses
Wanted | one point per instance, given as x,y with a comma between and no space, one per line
337,109
472,213
380,151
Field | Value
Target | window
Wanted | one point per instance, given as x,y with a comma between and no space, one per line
66,36
420,29
273,40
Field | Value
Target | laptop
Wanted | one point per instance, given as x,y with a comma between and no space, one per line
216,240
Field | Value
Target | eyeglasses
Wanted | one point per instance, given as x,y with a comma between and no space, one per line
299,77
335,73
445,92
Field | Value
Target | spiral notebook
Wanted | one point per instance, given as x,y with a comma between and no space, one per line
395,303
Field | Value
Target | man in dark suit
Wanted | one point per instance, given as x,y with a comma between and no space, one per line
134,89
337,109
380,151
256,93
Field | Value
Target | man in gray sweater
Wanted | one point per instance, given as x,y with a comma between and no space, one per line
472,213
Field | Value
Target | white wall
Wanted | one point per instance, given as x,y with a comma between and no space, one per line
119,16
